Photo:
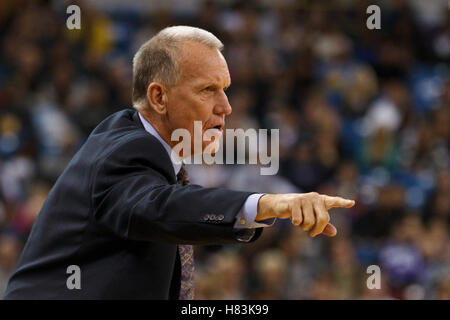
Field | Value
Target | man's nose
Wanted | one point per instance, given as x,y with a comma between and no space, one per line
223,106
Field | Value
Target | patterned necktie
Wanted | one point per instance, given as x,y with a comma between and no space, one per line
186,254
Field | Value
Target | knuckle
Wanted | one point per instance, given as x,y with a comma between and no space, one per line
313,197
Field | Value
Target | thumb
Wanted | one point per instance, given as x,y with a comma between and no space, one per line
329,230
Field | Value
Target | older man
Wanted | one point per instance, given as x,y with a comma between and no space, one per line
121,220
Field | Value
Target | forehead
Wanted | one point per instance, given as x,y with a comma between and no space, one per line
199,63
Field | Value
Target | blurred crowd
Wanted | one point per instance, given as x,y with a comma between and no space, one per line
363,114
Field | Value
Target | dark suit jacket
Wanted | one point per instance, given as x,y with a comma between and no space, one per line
117,213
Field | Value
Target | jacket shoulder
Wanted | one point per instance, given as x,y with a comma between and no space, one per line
124,145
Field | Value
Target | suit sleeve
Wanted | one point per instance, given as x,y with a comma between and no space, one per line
132,197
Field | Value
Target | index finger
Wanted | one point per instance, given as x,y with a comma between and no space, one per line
337,202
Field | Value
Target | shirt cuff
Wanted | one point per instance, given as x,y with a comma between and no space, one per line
246,217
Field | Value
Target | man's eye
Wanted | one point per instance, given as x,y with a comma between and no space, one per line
210,88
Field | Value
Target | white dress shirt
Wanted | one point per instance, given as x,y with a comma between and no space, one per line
246,218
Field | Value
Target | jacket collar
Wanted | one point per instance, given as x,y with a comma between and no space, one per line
137,117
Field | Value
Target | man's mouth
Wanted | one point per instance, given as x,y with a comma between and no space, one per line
217,127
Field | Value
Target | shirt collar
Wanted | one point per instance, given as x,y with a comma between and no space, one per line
149,128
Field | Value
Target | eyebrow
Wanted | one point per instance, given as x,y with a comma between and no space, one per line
211,82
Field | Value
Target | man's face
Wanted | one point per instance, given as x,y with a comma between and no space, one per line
199,94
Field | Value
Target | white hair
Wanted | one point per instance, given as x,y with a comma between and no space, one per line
157,59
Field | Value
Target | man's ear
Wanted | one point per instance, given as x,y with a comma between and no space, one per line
157,97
